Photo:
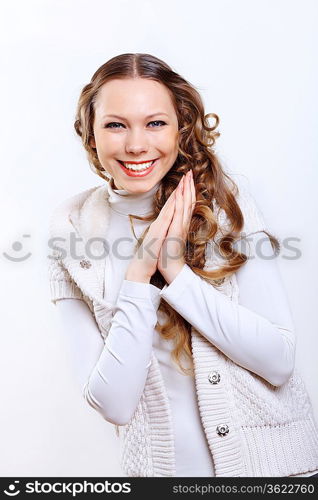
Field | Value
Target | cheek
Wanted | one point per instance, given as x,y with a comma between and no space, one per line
169,142
107,144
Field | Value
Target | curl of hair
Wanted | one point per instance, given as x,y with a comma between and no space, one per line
196,152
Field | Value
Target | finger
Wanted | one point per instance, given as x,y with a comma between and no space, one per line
163,221
169,204
187,199
193,193
161,225
170,212
177,222
169,199
166,208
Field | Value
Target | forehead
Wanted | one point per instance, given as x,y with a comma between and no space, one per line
131,96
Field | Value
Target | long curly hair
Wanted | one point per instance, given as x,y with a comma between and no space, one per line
214,188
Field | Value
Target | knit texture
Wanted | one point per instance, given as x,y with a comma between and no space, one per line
272,430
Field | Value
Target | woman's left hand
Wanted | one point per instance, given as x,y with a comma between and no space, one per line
171,257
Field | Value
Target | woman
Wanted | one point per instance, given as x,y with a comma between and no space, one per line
182,340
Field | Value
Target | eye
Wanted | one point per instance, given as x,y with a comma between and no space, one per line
110,125
158,121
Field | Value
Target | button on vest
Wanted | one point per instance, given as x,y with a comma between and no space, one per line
222,429
214,377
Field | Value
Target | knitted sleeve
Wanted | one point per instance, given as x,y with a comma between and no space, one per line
61,284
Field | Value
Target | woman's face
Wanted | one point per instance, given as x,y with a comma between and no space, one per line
132,135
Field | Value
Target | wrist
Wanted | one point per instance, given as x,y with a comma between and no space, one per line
171,272
134,275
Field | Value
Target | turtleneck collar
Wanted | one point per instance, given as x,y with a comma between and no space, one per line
124,202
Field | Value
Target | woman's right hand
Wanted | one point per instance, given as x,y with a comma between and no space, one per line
144,263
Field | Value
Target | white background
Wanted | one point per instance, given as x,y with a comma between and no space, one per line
255,64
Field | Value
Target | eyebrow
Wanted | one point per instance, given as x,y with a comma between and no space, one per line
122,118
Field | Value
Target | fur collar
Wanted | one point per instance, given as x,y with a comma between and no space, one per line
80,225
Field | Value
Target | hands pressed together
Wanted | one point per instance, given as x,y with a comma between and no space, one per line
164,245
171,256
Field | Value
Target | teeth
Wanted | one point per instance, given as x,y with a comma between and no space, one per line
138,168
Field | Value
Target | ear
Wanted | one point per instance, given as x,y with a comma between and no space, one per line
92,142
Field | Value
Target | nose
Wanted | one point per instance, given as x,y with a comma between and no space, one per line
136,143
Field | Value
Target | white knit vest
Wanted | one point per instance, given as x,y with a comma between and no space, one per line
271,430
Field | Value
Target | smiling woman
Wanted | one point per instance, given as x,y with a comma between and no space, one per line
182,341
135,140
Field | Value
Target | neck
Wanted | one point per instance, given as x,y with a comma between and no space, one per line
124,202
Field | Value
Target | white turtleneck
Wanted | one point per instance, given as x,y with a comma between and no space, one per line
257,333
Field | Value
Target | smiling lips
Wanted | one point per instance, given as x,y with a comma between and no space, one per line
137,169
136,162
137,166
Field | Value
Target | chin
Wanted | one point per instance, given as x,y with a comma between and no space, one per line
140,186
139,189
